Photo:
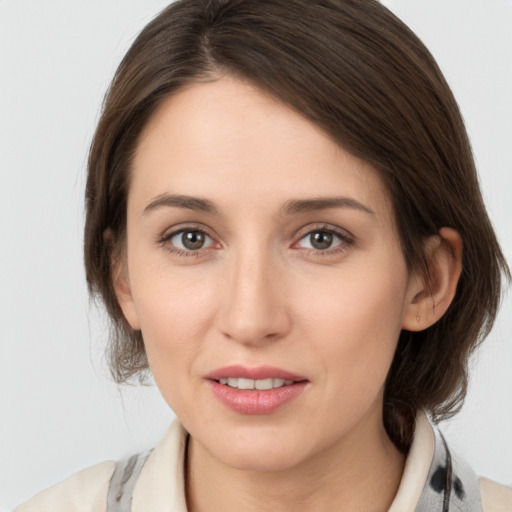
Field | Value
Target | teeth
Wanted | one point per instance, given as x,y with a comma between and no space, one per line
245,384
263,384
259,384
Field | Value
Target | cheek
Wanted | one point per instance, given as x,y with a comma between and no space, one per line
175,312
356,319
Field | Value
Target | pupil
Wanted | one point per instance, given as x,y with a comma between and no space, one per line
193,240
321,240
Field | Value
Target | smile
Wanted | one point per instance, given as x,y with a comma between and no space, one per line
255,390
258,384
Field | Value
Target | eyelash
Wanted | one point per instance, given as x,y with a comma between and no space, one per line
346,240
166,239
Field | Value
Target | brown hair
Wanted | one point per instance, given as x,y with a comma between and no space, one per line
359,73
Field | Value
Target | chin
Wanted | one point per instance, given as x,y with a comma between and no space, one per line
261,460
260,451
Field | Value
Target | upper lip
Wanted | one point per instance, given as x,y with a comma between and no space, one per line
255,373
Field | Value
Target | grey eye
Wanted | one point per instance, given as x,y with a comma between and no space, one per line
191,240
320,240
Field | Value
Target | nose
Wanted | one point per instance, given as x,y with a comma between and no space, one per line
253,306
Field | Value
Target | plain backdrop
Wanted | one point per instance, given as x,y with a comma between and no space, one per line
59,410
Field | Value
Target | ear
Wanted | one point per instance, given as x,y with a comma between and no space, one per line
121,280
430,297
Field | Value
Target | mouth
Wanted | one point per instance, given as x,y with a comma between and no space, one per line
258,384
255,391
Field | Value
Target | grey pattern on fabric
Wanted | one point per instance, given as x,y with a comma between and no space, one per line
451,486
123,481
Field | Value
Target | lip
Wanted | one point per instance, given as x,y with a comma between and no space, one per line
255,402
259,372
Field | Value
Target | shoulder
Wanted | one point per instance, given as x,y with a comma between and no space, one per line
495,497
159,483
435,476
84,491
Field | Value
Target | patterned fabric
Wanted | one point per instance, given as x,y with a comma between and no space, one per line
123,482
451,486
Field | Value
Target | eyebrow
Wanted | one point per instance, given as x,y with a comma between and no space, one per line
180,201
323,203
291,207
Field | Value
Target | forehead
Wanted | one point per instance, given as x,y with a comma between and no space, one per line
229,140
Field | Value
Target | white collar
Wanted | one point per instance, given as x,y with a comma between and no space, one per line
417,466
161,484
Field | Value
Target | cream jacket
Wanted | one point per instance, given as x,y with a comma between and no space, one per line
434,480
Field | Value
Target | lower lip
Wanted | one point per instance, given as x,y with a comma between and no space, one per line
255,401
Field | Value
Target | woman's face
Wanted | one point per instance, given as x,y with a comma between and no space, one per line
261,252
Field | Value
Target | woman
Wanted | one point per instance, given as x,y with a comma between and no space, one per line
285,225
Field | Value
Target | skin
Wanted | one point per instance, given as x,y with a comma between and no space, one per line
259,292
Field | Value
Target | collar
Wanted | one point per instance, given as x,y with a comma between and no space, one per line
434,479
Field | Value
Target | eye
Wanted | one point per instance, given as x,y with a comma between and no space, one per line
190,240
322,240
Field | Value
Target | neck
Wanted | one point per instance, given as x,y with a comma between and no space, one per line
361,472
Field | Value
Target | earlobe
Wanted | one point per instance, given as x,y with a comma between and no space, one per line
122,288
430,298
